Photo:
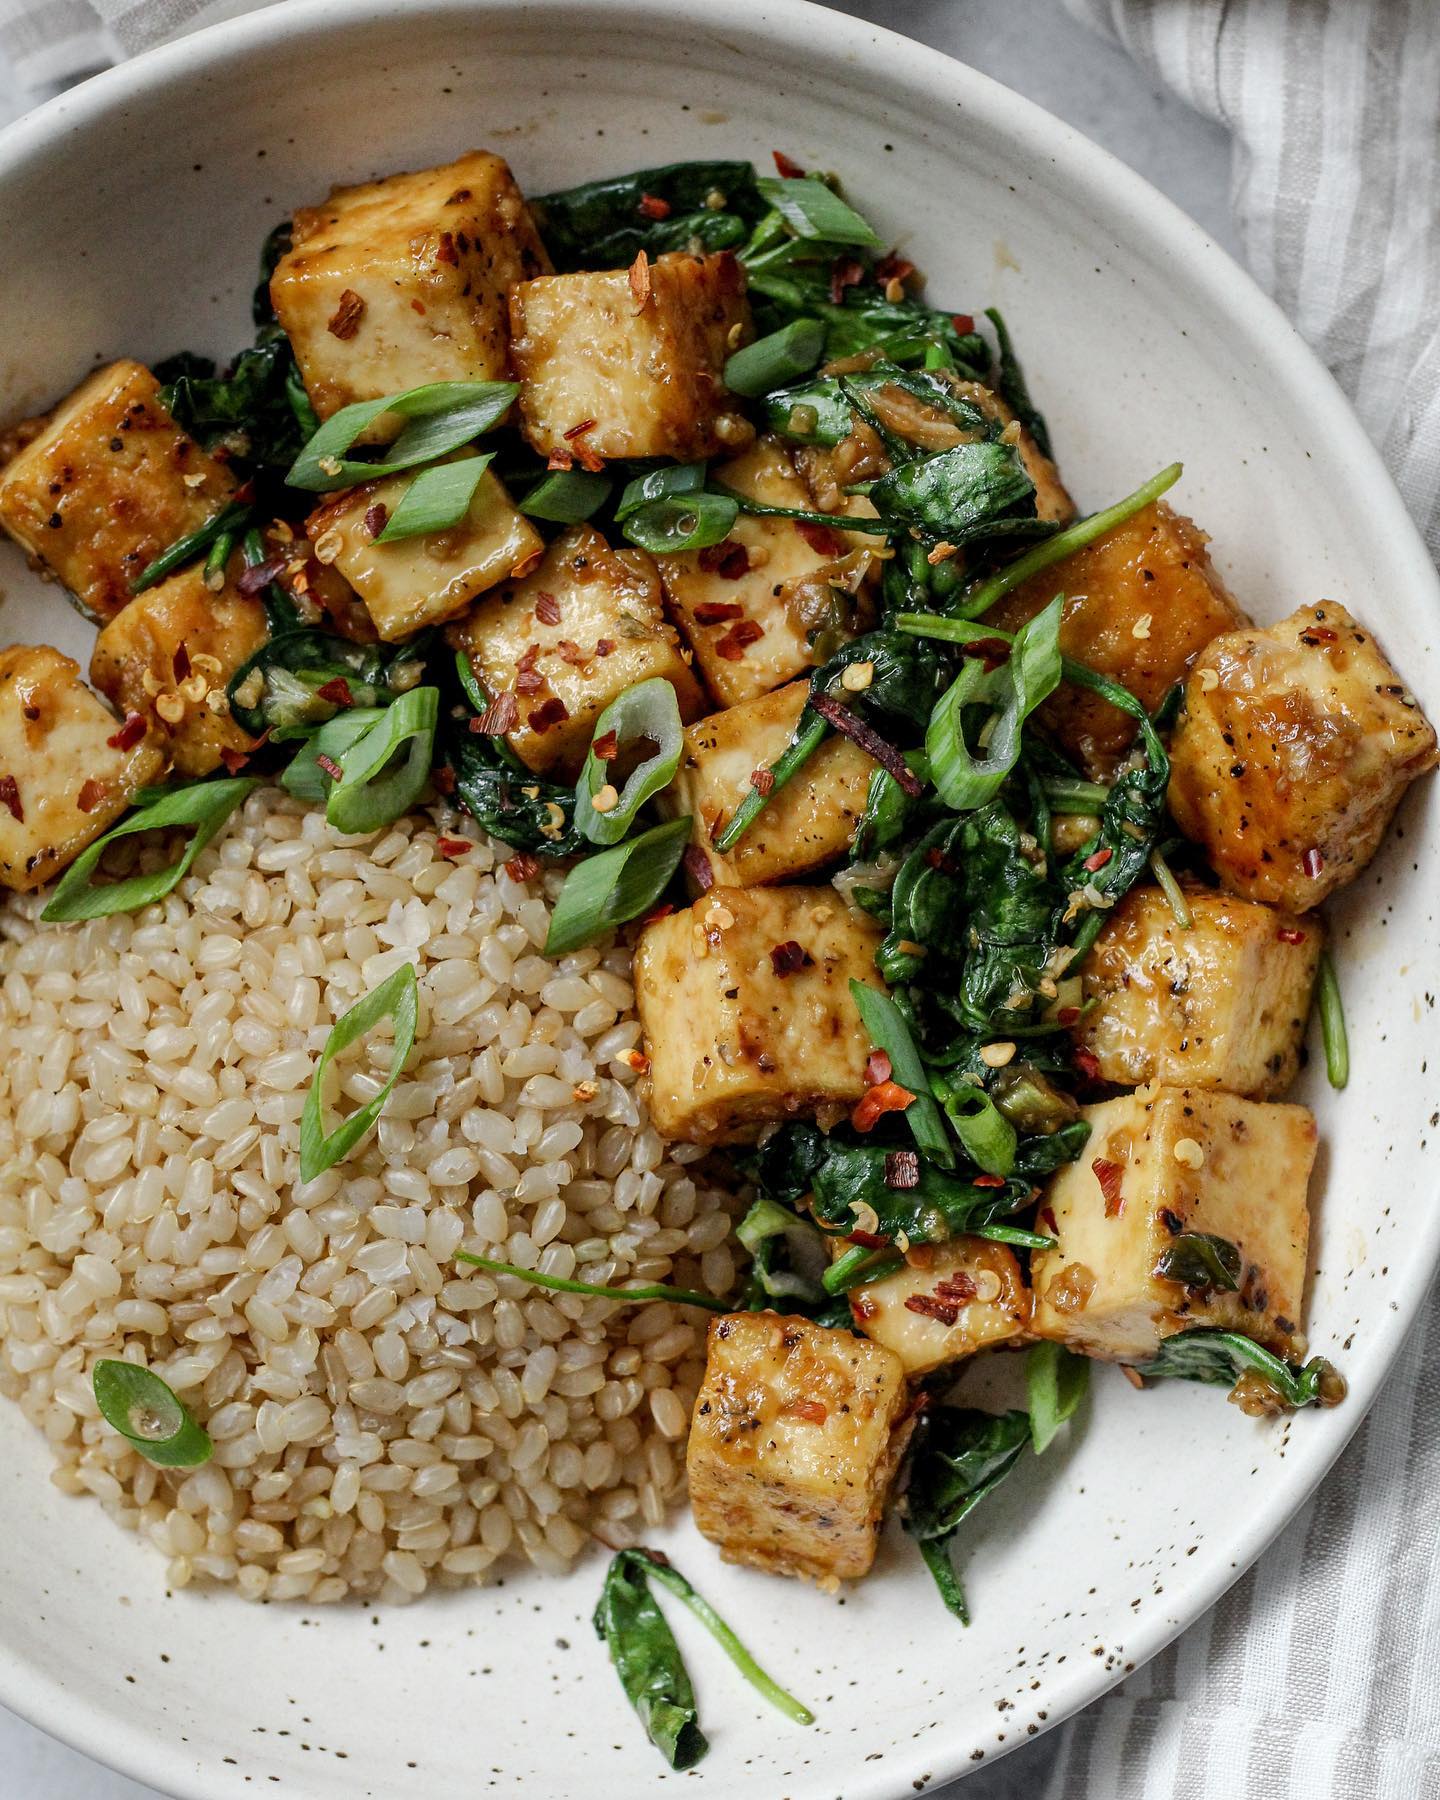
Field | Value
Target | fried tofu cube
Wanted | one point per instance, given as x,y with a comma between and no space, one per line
1222,1005
778,595
1141,603
413,582
107,484
404,281
66,771
583,626
1161,1162
1292,751
809,822
949,1301
169,655
630,362
794,1442
747,1011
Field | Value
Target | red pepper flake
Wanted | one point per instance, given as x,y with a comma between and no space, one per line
90,796
604,646
813,1412
845,272
453,846
234,760
1067,1016
1097,860
579,430
446,252
1109,1175
243,494
639,279
129,734
992,651
523,867
549,712
569,651
180,662
1088,1064
947,1302
729,560
529,681
877,1068
375,519
1287,934
336,691
330,766
662,911
868,1240
345,320
500,716
1049,1221
788,958
1317,634
732,645
547,609
787,166
937,859
963,323
861,1309
821,539
606,747
653,207
1312,862
902,1169
884,1097
560,459
763,782
893,267
697,866
871,742
988,1181
589,460
716,612
443,779
10,797
258,577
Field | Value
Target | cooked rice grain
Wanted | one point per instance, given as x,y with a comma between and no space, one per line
384,1419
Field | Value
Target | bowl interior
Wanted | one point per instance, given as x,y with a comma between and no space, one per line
134,210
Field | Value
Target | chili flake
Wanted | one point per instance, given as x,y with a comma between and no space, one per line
549,712
732,645
884,1097
763,781
1109,1175
344,322
129,734
821,538
716,612
336,691
788,958
10,797
902,1169
523,867
498,717
653,207
547,608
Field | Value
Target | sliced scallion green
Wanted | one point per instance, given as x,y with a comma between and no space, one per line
888,1031
205,805
559,1284
812,733
682,522
229,520
438,499
566,496
770,362
1014,1234
440,416
379,782
213,574
660,484
1172,890
615,885
147,1412
1031,673
813,210
988,1136
396,998
306,776
1332,1022
860,1264
649,710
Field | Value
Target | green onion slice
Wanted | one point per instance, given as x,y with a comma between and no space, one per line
649,710
758,509
205,805
396,998
306,777
385,770
559,1284
1172,890
1011,692
1332,1022
682,522
860,1264
616,885
438,499
813,210
1056,1380
888,1031
229,520
988,1136
146,1411
660,484
566,496
770,362
1014,1234
440,417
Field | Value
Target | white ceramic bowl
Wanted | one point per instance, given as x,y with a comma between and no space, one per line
132,211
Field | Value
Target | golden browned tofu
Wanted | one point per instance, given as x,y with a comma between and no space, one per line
398,282
810,821
168,657
1162,1162
949,1301
779,595
418,581
1141,603
107,484
67,769
1291,754
582,627
746,1005
793,1445
1222,1005
629,362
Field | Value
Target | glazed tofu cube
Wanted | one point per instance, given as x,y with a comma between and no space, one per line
168,657
419,581
570,638
398,282
808,822
949,1301
1161,1162
1141,603
1222,1005
108,483
66,774
778,596
746,1005
793,1445
1291,754
629,362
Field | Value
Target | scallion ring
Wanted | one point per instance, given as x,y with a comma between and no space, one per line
615,885
660,484
813,210
396,998
439,417
770,362
385,770
566,496
438,499
988,1136
649,710
148,1413
306,776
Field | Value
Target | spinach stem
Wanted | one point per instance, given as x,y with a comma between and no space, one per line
557,1284
1332,1022
788,764
1172,890
730,1644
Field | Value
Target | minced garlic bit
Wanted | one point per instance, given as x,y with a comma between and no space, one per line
995,1056
1188,1152
250,689
758,555
856,677
941,553
606,800
407,676
194,481
1209,680
218,702
584,1091
1141,627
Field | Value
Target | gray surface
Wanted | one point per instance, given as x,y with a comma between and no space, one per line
1035,48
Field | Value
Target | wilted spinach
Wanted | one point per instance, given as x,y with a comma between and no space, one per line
1263,1381
605,224
957,1457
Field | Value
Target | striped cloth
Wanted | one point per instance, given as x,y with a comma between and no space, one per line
1311,1680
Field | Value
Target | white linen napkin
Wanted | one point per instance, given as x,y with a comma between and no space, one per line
1313,1677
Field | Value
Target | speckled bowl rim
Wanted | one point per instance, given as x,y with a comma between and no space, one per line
1136,213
